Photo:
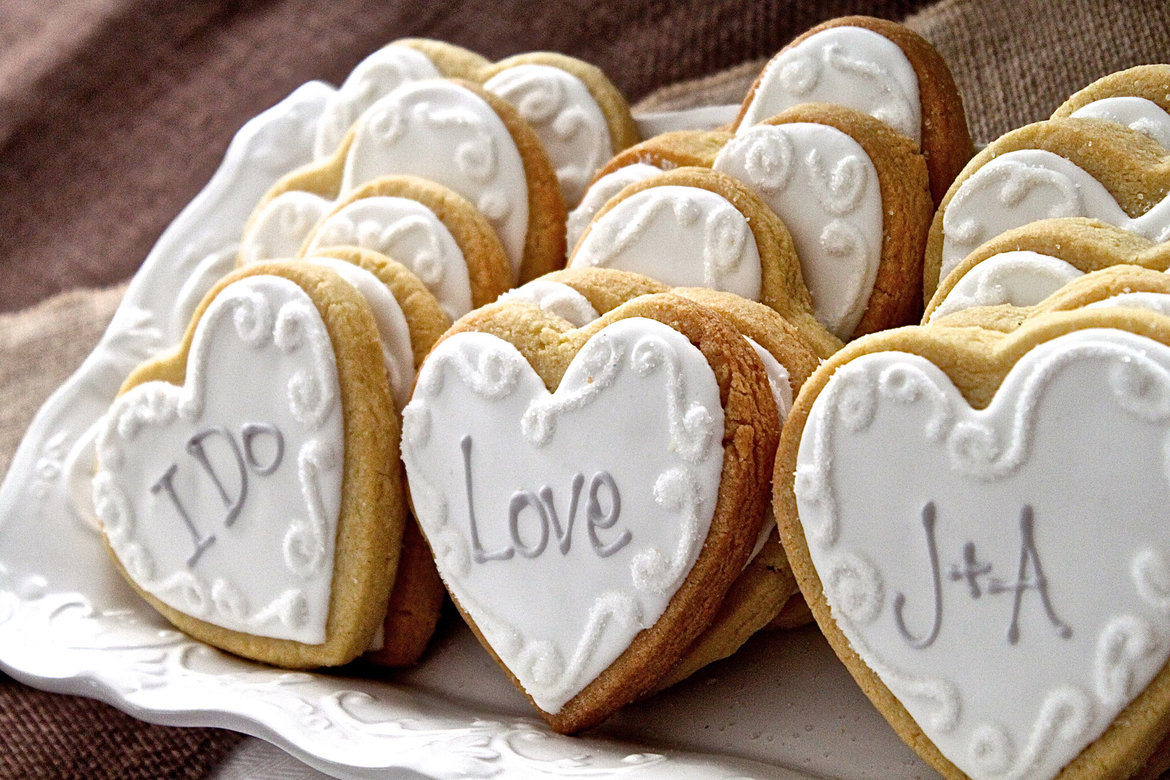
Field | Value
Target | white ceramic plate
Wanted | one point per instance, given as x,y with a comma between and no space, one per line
784,707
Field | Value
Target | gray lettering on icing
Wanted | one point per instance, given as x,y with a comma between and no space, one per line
520,500
248,434
928,521
196,449
1029,559
598,519
477,551
166,483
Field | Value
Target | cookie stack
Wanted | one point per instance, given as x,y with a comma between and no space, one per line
628,402
975,507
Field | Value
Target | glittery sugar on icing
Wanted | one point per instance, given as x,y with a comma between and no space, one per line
1136,113
825,189
592,501
1029,185
409,233
1008,657
683,236
566,117
599,192
849,66
446,133
555,298
221,497
378,74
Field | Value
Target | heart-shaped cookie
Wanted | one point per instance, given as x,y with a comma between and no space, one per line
242,481
428,228
1070,167
1027,264
455,134
698,227
877,67
1137,97
977,520
590,494
854,196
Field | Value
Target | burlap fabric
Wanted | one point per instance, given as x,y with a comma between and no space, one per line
113,113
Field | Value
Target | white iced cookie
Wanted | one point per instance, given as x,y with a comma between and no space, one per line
239,448
681,235
279,229
1002,626
609,503
601,191
878,68
1138,98
555,298
456,135
825,187
378,74
1058,168
1019,278
851,66
1136,113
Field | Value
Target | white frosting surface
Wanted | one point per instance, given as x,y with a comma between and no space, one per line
972,557
1029,185
825,188
777,380
602,190
560,587
282,226
555,298
566,118
378,74
444,132
1019,278
1136,113
849,66
221,497
408,232
1152,301
683,236
393,330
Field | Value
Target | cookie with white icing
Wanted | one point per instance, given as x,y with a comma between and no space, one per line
765,586
1025,265
397,63
677,149
855,197
428,228
1137,97
242,481
695,227
458,135
590,493
876,67
1118,286
1068,167
579,115
950,499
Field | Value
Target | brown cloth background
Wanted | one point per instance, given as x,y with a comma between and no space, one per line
113,114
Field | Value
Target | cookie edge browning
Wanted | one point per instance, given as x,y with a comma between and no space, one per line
488,268
906,210
976,361
946,138
1132,167
370,523
740,506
